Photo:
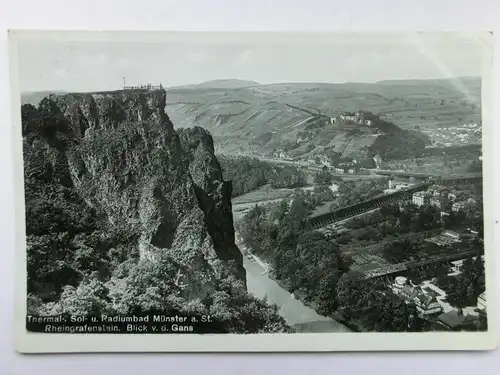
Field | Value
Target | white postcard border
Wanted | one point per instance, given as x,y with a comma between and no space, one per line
27,342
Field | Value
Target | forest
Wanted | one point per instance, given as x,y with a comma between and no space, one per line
398,144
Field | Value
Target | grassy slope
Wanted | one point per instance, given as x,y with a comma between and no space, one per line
261,118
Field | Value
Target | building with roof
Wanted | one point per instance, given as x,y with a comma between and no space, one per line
339,170
438,201
466,205
393,184
421,197
399,283
408,292
346,168
426,303
456,267
347,116
360,117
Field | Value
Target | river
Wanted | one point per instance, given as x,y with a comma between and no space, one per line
304,318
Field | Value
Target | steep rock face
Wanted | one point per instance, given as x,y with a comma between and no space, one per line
213,193
126,160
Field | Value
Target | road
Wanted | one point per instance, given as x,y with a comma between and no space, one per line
293,310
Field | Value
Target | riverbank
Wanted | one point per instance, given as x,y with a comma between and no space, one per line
251,256
296,311
352,324
297,314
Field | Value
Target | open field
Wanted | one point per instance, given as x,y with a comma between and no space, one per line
262,194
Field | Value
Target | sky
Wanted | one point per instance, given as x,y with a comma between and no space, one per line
101,65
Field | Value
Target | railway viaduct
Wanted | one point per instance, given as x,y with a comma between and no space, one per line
320,221
343,213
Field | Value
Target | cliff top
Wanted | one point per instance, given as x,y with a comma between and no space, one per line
114,93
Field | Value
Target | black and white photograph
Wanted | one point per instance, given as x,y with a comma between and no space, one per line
202,185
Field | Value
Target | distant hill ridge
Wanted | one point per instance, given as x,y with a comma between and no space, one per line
246,117
296,116
219,84
429,80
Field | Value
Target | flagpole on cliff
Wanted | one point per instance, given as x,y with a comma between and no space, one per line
124,82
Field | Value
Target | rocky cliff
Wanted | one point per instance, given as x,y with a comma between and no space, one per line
124,158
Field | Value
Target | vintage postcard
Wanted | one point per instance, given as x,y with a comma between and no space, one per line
252,191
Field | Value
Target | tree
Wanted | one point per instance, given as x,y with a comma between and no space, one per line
149,287
49,265
323,178
326,298
50,121
349,290
89,298
391,315
29,118
297,215
279,211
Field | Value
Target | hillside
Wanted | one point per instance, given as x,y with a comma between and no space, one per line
220,84
296,116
